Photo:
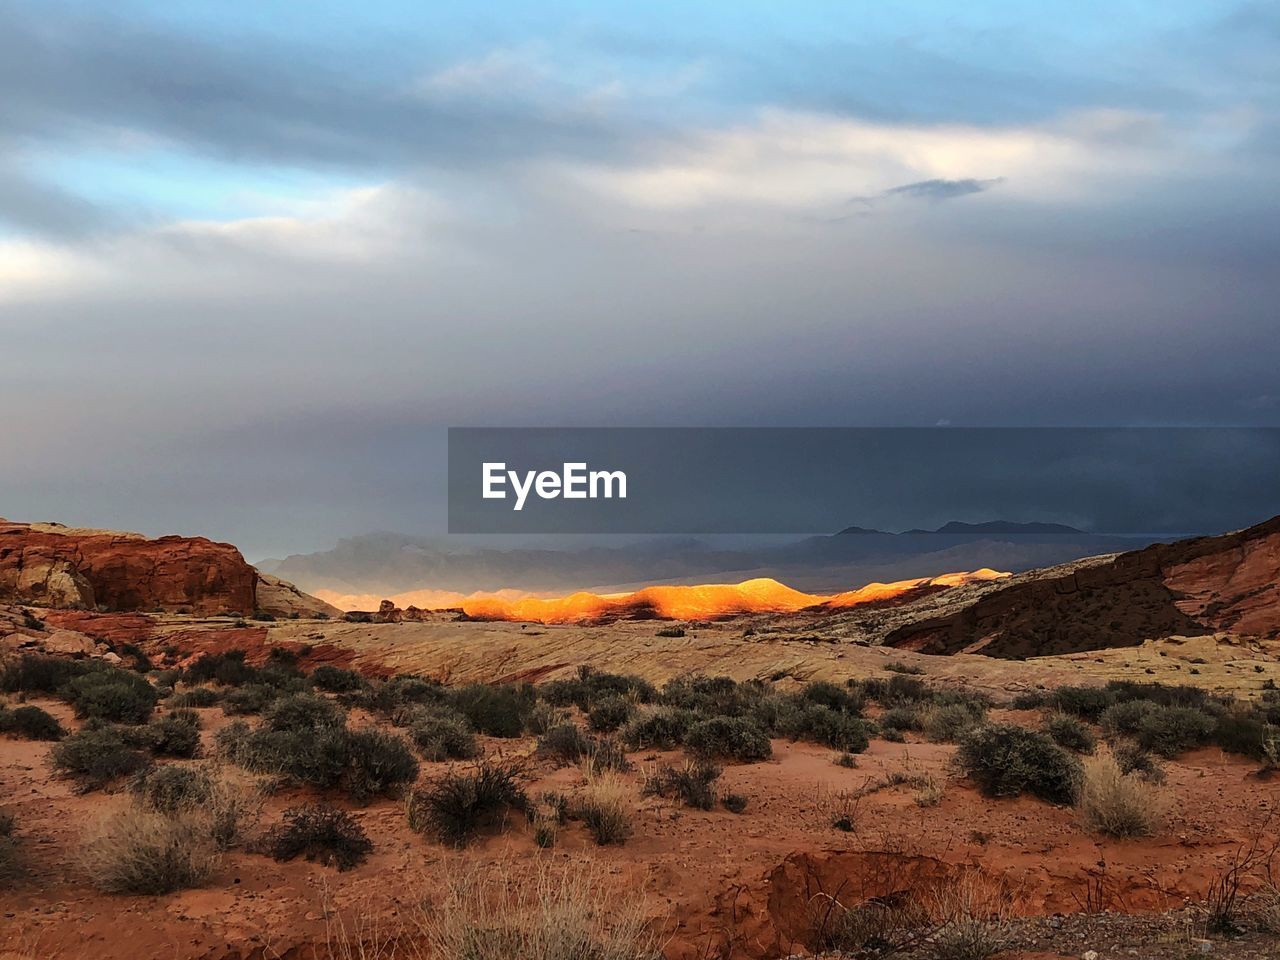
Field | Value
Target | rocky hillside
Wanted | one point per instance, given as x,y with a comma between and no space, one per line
49,565
1228,583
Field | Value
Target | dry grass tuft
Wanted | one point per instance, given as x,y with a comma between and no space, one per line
133,850
1266,909
551,912
233,810
972,915
605,806
930,791
1119,804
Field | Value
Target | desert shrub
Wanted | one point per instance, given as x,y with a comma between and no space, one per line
1029,700
897,690
498,711
336,680
227,667
377,764
900,718
819,724
1245,735
565,744
458,805
947,723
661,729
562,693
31,723
172,787
606,753
827,694
1006,760
95,757
314,757
111,694
1166,695
1084,702
39,673
321,833
195,697
139,851
1124,718
591,686
175,733
248,699
734,802
1116,803
389,696
609,714
1070,732
1169,731
694,784
444,736
1133,758
731,738
302,711
543,717
711,696
605,808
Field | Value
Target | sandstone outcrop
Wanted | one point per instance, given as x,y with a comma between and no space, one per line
281,598
49,565
1228,583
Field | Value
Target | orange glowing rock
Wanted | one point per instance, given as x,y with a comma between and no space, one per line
701,602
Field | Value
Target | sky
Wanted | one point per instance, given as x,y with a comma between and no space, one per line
254,258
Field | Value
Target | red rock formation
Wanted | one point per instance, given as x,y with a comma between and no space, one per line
1190,587
51,565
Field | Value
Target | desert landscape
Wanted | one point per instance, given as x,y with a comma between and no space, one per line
588,480
199,760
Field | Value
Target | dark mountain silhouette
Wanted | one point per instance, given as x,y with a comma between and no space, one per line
389,563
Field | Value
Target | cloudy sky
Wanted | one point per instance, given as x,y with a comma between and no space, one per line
254,257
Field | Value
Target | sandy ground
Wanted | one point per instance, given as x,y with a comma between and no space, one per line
714,879
719,884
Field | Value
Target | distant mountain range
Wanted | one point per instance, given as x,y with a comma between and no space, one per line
388,563
991,526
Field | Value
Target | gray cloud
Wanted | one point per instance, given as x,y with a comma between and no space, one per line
46,210
69,77
941,189
278,382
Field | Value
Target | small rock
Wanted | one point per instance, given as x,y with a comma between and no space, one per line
1089,955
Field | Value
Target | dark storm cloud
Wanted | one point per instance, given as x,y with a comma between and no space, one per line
278,373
